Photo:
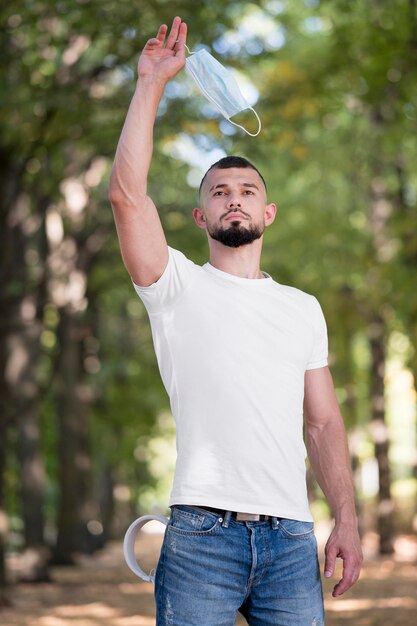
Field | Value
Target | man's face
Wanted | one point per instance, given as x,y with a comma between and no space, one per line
234,208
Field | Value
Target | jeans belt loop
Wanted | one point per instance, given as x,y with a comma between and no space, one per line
226,519
274,523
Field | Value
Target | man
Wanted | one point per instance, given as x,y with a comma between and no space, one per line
239,354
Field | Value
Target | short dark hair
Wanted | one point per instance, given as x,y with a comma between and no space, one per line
229,162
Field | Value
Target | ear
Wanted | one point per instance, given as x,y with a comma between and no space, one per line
270,213
199,218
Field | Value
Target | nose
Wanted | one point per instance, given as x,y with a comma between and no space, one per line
233,203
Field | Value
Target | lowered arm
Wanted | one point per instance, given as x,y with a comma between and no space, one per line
330,461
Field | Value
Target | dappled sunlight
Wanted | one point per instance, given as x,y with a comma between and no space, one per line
257,31
96,171
75,195
97,609
101,591
54,227
131,588
372,603
406,548
385,594
78,44
79,615
138,620
17,361
136,588
87,442
70,291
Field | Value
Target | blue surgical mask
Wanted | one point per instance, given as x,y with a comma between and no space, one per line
219,86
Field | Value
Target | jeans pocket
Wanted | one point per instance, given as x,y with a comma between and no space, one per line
296,529
192,522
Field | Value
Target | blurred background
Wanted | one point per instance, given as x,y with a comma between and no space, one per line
87,442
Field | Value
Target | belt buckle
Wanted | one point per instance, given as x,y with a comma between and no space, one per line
247,517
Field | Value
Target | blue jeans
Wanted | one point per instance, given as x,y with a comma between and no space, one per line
211,567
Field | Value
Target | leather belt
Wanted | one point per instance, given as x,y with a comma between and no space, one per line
237,515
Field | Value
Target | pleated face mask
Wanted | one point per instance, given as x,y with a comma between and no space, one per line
219,86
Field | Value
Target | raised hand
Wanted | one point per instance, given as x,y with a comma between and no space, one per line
164,62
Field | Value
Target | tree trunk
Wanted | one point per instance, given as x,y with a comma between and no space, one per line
3,515
408,301
380,436
107,499
77,507
8,190
413,365
5,410
20,331
380,212
27,342
34,561
32,476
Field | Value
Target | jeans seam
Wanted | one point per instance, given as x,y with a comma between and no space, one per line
248,568
252,575
300,536
162,563
266,562
196,533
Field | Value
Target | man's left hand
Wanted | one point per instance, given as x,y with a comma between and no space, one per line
343,543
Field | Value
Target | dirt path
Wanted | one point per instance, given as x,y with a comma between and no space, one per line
101,591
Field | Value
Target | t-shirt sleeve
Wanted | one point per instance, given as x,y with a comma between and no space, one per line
164,292
319,353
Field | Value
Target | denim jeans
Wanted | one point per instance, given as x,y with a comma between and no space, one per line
213,566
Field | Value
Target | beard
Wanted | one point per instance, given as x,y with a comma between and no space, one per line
235,236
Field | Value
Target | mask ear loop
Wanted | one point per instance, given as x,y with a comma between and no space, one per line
247,131
188,49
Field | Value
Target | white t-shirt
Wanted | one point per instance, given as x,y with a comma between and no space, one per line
232,353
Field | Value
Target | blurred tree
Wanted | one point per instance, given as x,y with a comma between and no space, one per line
67,75
337,83
339,128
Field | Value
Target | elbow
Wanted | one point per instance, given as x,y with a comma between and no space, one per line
114,193
317,424
118,199
113,197
124,198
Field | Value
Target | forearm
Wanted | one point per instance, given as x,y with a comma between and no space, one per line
329,457
128,181
330,461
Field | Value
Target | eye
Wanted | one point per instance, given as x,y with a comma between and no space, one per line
219,193
248,192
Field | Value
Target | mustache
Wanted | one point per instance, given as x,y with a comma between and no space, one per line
235,211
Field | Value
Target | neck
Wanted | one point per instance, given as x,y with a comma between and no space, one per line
243,262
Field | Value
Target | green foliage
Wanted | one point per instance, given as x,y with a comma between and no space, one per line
336,85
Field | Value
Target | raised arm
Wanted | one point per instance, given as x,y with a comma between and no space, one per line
329,458
142,240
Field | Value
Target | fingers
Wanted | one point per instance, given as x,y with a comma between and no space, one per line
163,29
182,34
351,571
152,43
344,543
176,40
329,564
158,41
180,43
173,35
352,562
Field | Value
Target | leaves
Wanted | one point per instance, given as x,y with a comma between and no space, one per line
335,84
